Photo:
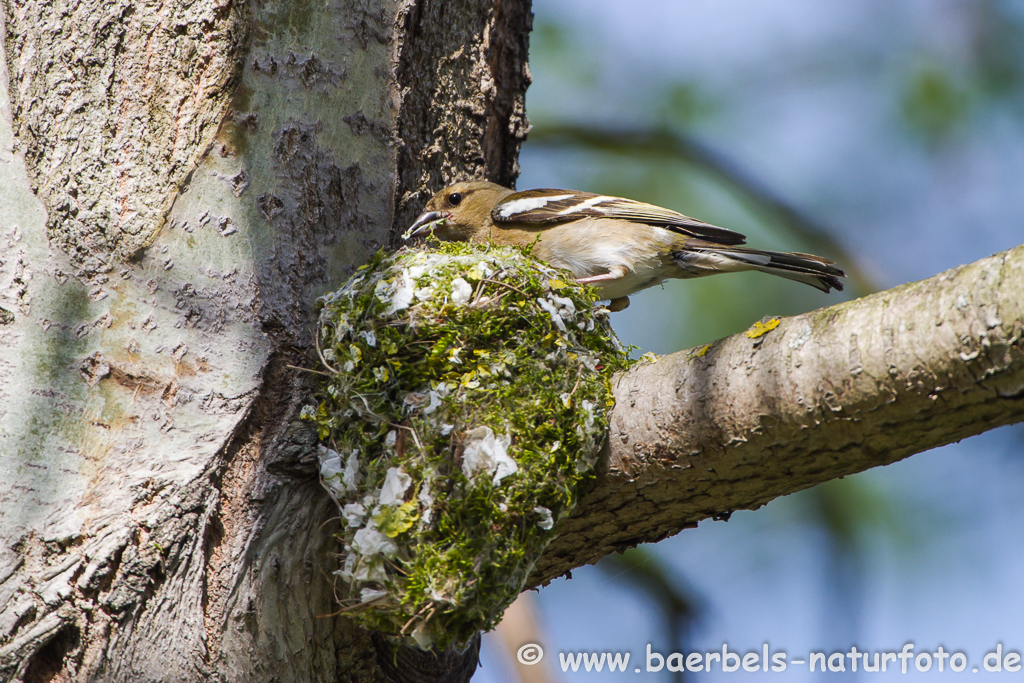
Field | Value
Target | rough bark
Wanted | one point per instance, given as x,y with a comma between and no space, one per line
701,433
180,180
492,64
110,95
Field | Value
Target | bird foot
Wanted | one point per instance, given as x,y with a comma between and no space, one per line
620,304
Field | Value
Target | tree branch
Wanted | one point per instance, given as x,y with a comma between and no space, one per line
731,426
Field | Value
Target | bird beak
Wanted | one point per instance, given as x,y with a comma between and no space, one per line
424,223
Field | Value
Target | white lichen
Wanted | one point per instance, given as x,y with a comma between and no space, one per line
487,454
354,514
370,541
546,520
396,483
461,291
331,471
350,477
553,312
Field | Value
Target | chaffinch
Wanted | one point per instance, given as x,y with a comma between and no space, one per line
619,246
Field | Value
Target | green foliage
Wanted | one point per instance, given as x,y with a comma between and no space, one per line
464,400
687,103
935,104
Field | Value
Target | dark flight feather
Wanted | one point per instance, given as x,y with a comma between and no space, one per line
533,207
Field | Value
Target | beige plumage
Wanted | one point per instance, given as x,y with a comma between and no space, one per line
618,245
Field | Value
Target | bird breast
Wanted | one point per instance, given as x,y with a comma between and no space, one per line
591,247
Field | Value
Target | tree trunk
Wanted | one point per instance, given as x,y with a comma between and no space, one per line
180,180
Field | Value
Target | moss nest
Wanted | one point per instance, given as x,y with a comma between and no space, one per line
463,402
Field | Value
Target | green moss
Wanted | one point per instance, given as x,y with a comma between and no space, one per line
464,401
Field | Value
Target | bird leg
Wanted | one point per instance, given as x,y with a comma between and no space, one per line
615,273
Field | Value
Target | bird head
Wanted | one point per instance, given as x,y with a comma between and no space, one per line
459,212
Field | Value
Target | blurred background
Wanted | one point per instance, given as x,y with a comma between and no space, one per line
888,136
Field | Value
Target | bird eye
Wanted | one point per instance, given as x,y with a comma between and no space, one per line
454,198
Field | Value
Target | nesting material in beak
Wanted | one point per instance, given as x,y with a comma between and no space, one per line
424,223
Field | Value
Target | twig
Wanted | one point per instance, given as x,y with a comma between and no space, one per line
413,618
318,372
338,518
411,430
316,340
579,376
505,284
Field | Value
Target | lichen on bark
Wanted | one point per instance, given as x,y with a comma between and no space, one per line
464,399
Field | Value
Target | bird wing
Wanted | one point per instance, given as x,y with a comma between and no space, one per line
551,206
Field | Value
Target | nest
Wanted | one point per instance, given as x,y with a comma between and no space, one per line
463,402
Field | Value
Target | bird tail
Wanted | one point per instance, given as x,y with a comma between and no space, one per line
706,259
